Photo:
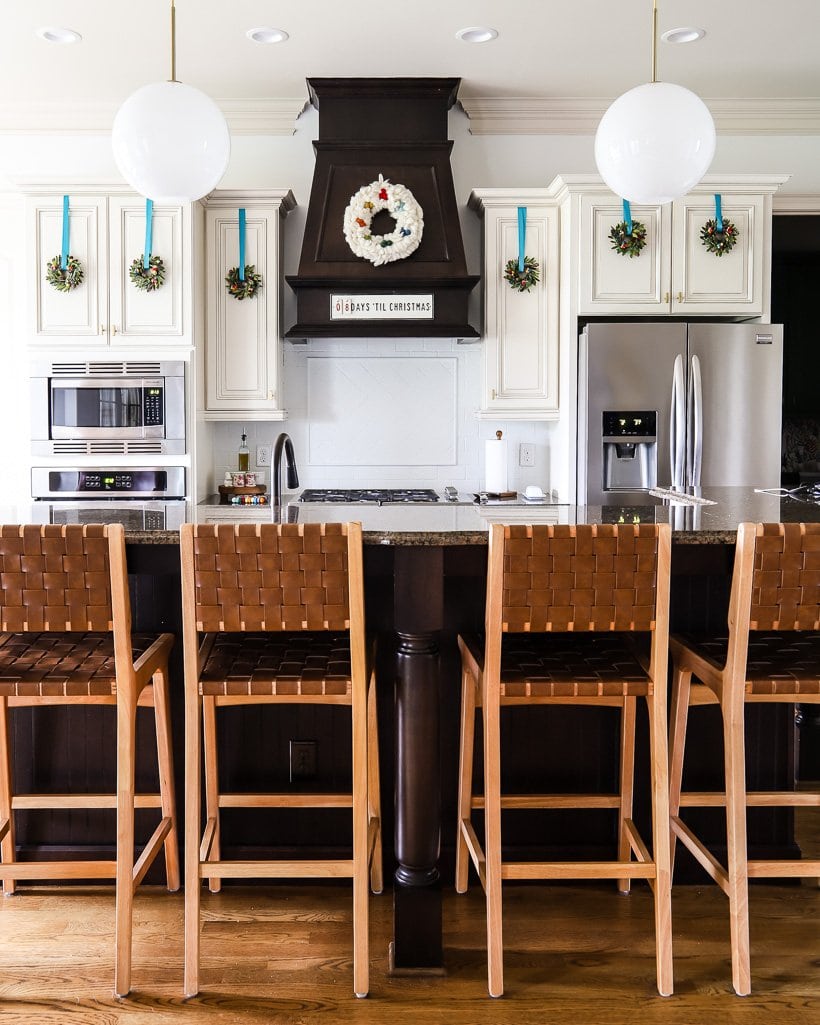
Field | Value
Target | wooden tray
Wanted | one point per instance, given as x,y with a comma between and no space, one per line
227,491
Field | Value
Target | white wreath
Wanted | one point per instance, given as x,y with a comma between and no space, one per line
399,202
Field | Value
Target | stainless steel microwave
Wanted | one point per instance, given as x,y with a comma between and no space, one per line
107,407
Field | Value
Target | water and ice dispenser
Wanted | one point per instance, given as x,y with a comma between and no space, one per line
630,449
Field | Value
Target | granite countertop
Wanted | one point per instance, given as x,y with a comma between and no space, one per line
444,524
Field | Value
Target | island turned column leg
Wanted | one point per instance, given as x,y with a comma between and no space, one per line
418,604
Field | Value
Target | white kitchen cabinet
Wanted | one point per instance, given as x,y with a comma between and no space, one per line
243,338
674,273
107,233
520,335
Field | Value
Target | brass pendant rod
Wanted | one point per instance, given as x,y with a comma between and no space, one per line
173,42
654,40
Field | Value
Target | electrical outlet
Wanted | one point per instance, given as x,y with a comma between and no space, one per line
263,455
302,760
526,454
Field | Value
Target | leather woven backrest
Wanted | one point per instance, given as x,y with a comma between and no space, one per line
269,576
786,577
584,577
54,578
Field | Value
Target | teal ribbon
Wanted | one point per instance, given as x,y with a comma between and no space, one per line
149,233
522,236
241,243
718,213
627,216
64,252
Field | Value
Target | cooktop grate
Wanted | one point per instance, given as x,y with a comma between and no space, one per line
375,496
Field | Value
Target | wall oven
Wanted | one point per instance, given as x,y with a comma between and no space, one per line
139,497
125,407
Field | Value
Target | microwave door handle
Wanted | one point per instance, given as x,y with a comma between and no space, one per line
677,426
696,422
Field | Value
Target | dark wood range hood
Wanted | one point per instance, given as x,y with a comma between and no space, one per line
397,128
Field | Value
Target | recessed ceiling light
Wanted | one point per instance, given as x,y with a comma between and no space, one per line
59,35
266,34
683,35
476,34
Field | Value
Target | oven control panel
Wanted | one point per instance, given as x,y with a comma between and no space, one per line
114,482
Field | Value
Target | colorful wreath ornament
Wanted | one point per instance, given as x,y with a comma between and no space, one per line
246,289
626,242
64,279
400,203
147,279
719,242
522,280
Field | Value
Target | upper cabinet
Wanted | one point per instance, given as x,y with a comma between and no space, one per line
243,337
520,334
106,235
675,273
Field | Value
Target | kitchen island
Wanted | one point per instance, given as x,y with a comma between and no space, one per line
424,569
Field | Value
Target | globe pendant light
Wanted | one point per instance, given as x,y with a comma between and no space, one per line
171,142
656,141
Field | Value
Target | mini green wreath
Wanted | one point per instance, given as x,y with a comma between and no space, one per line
246,289
64,280
147,280
521,280
719,242
625,242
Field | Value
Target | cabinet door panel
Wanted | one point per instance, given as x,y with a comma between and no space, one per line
706,283
521,344
79,313
612,282
138,315
238,352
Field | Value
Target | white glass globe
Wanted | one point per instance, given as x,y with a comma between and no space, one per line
171,142
655,143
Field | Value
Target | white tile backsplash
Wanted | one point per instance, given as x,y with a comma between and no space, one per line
388,412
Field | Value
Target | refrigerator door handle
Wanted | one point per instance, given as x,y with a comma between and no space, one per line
695,414
677,426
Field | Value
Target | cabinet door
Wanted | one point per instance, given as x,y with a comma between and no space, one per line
137,316
703,283
78,316
615,283
521,342
242,338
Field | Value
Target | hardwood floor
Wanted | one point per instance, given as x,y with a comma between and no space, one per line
283,954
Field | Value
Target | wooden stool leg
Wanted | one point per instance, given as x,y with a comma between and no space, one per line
659,761
627,784
126,740
162,718
361,894
7,845
679,716
736,852
492,846
212,784
193,797
466,746
373,793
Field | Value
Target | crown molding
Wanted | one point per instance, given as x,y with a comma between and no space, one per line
271,116
491,115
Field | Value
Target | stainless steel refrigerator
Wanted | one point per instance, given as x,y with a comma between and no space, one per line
677,405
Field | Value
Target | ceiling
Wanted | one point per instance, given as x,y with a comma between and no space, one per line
559,53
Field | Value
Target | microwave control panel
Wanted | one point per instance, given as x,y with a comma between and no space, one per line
152,407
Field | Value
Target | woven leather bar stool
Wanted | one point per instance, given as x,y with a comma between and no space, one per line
274,614
66,622
771,653
563,606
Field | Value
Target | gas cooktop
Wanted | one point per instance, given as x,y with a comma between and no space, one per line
374,496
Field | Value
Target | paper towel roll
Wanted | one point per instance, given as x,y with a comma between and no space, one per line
495,464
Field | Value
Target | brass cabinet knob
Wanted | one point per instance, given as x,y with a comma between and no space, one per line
113,329
666,297
680,297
